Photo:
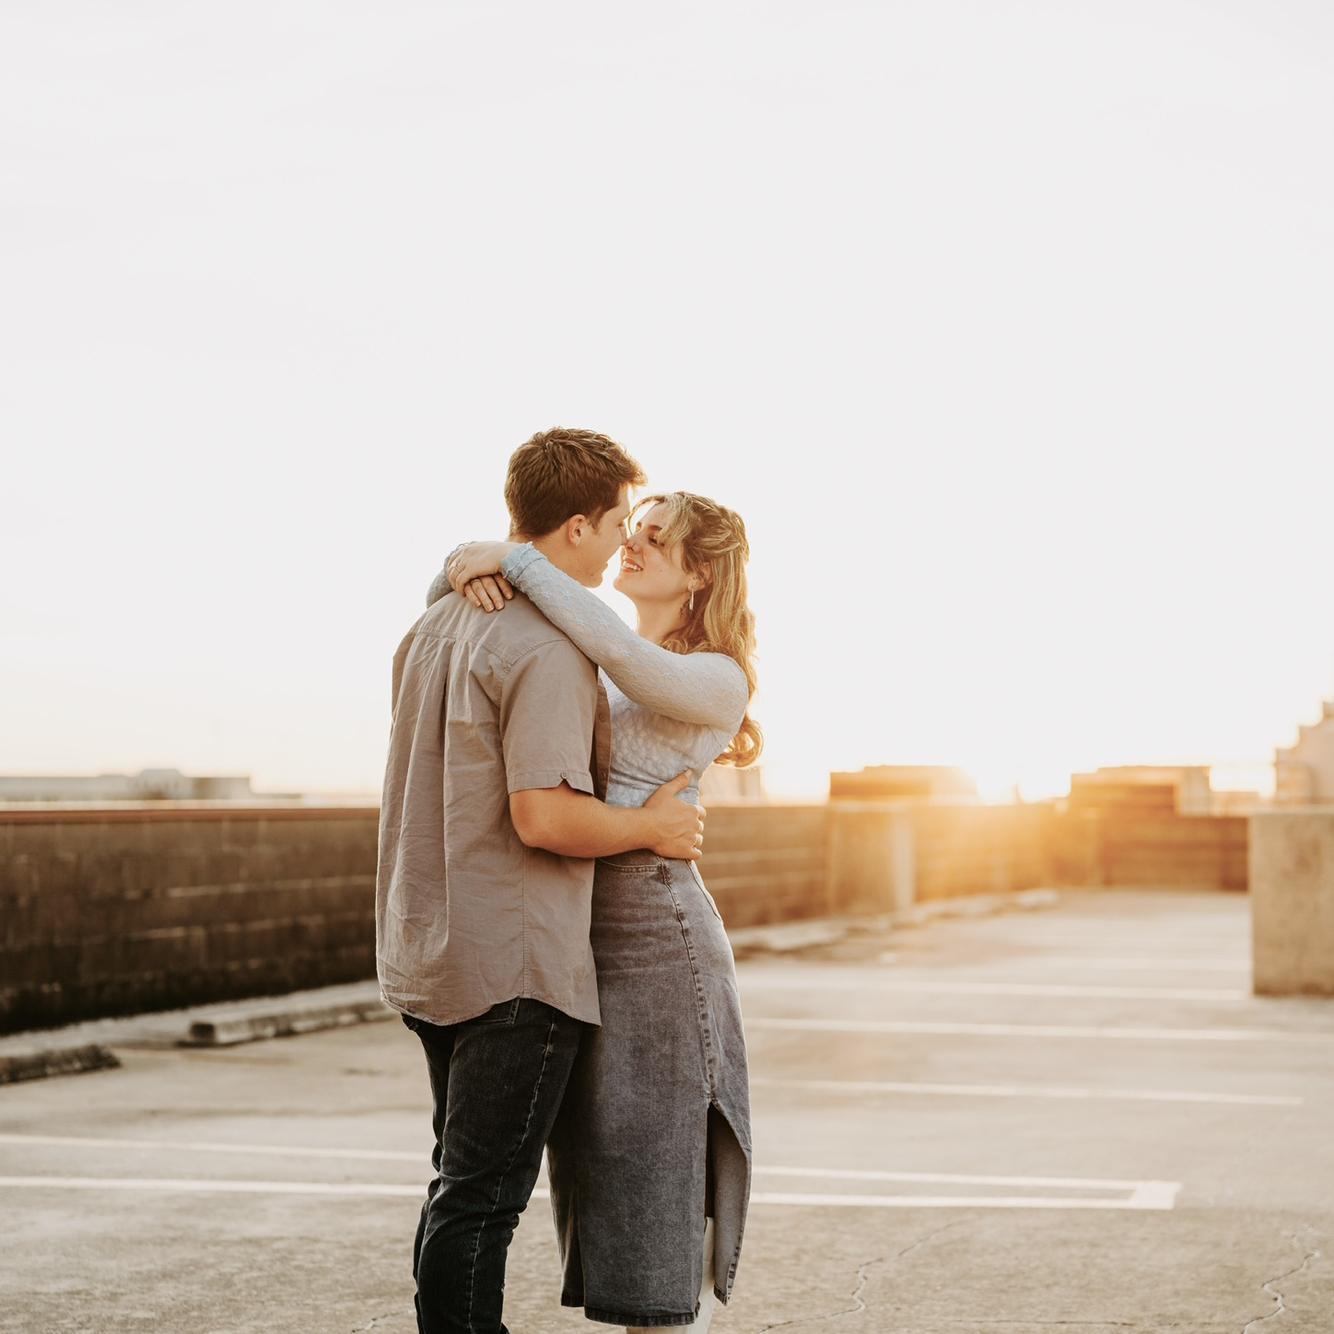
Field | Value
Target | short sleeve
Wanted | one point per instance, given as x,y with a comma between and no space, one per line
547,711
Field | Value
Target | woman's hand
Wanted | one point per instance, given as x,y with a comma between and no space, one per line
474,573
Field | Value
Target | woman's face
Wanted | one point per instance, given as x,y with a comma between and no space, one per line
649,571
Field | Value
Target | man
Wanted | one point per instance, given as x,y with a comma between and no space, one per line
489,822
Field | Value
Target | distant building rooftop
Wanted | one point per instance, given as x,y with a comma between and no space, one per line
146,785
884,782
1304,772
1180,789
727,783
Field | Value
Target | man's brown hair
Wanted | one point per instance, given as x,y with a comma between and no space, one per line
563,472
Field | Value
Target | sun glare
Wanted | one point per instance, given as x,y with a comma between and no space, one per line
1001,781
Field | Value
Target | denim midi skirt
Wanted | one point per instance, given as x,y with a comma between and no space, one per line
654,1131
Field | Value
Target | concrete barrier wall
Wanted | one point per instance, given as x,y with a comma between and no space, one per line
1196,851
766,863
112,911
965,849
1292,902
1145,850
870,858
119,910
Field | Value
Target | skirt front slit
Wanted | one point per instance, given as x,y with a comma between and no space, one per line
655,1126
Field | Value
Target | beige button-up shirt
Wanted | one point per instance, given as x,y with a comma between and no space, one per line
466,915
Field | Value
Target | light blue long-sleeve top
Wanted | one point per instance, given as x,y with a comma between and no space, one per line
670,711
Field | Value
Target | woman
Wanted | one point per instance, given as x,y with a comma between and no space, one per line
650,1158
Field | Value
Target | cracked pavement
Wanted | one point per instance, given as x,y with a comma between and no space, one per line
1270,1285
1073,1117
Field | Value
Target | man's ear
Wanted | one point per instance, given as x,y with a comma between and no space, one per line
575,528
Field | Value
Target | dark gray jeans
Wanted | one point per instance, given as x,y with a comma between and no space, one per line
497,1082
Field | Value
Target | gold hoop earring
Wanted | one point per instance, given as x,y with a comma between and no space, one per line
691,606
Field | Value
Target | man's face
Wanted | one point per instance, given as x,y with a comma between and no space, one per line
600,544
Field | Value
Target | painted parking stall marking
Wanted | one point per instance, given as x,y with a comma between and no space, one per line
915,987
1039,1030
1060,1091
1037,1192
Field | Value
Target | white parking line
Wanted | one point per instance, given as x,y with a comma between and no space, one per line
1028,1091
1134,1194
209,1146
212,1186
819,1173
804,981
1111,954
1135,1201
1144,1195
956,1178
1039,1030
1129,962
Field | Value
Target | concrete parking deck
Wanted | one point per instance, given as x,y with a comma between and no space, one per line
1073,1118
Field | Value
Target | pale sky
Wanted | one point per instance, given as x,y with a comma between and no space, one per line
1007,327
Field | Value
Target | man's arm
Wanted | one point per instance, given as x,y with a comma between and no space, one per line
572,824
547,712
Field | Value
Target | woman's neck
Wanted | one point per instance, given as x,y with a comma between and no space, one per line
657,620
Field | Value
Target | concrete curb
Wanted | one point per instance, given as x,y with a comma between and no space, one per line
790,937
92,1045
40,1062
976,905
282,1020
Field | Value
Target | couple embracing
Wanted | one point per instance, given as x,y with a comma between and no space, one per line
541,924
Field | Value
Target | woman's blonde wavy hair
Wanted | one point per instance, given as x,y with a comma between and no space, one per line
714,547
